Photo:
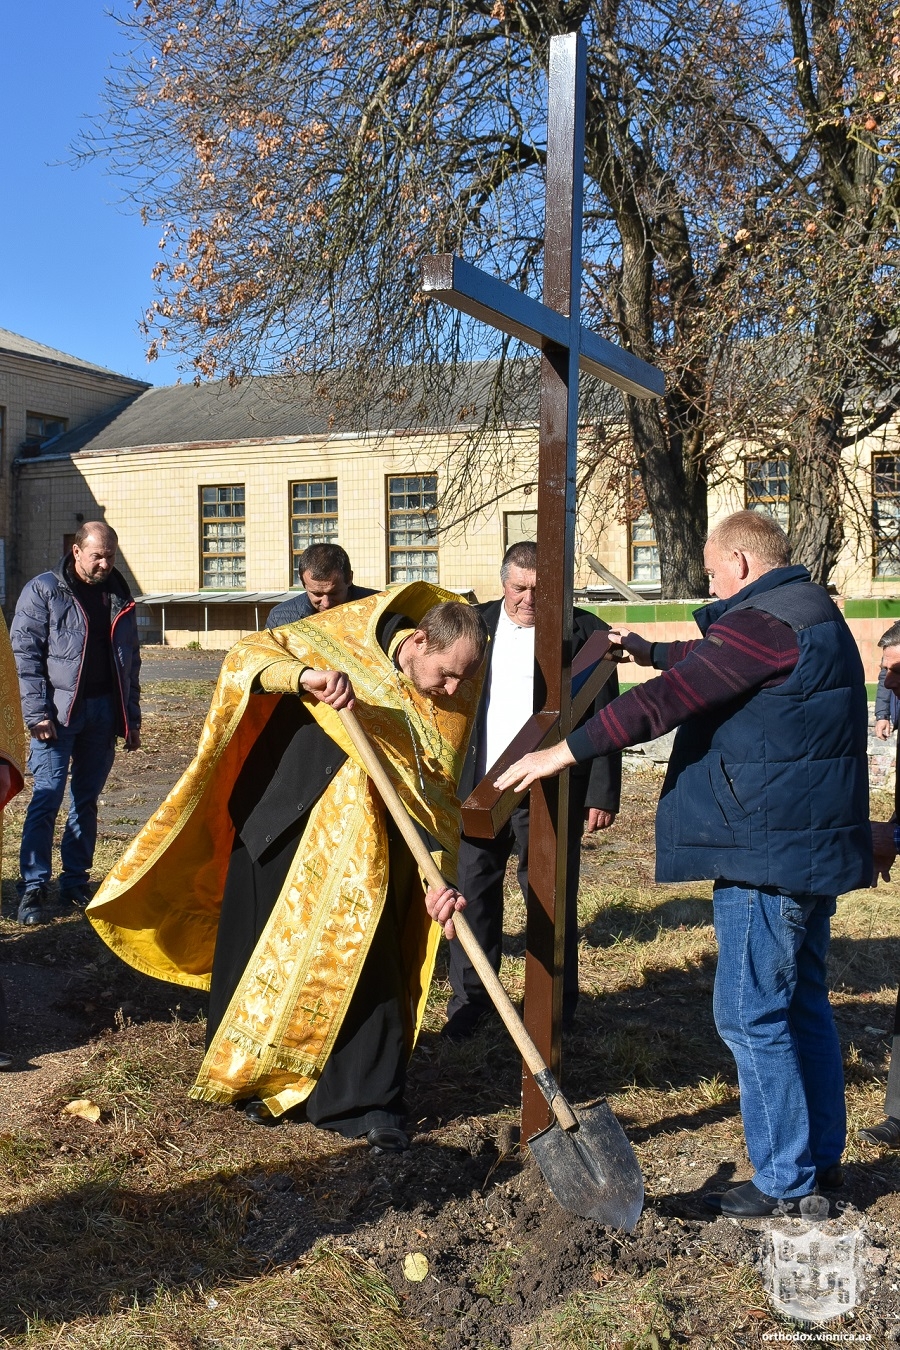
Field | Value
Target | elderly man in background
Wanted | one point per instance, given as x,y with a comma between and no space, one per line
327,579
886,845
512,691
75,640
887,702
766,794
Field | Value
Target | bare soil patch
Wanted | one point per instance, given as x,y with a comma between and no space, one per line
167,1223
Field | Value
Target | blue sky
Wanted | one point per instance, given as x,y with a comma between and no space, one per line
76,262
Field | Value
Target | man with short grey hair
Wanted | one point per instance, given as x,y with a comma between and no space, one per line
766,794
75,641
512,691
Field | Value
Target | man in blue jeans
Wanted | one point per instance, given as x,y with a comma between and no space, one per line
766,794
75,641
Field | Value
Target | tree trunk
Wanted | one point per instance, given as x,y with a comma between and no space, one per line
816,517
674,483
677,503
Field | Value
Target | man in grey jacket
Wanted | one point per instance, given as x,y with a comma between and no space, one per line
75,641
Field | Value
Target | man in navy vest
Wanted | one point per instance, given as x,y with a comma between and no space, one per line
766,794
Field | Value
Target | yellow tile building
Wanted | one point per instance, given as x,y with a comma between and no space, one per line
43,394
214,492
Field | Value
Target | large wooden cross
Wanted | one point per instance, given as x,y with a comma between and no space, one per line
554,327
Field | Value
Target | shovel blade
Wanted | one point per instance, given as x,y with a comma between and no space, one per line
592,1169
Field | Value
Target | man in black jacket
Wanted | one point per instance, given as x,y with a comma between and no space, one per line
327,581
512,691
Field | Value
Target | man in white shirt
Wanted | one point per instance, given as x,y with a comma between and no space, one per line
512,691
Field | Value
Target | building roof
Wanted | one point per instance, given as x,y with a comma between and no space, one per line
267,408
17,345
270,409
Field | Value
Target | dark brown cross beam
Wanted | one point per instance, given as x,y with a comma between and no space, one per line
554,327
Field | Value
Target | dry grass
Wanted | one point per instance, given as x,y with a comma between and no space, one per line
660,1310
133,1232
332,1300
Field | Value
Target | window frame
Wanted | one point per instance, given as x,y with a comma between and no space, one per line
510,515
30,443
204,554
296,582
879,536
638,508
391,513
775,504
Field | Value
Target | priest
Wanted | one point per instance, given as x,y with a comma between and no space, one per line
272,876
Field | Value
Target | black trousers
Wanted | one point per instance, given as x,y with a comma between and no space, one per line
892,1096
480,873
364,1078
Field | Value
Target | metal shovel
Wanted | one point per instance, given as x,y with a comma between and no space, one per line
584,1155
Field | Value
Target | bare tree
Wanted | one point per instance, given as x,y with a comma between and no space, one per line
302,156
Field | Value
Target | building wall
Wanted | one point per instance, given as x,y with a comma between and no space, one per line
151,497
31,384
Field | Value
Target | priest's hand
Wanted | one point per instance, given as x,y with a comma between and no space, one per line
442,905
595,819
328,686
630,646
883,850
539,764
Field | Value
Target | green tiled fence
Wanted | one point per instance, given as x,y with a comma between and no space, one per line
678,611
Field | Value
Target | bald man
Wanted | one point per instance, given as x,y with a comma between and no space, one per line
75,640
767,794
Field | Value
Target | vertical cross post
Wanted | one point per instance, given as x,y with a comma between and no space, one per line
549,810
554,328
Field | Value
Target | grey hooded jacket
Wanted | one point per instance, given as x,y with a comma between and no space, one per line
48,636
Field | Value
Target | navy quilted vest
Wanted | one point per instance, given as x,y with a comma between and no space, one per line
772,789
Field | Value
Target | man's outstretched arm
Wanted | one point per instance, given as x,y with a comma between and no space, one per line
739,654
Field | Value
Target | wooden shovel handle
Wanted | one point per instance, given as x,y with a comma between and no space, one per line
429,869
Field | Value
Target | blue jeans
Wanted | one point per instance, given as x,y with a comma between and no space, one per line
88,744
771,1009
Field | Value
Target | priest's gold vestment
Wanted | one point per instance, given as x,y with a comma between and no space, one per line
158,908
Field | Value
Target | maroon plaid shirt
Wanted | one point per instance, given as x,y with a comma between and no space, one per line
744,651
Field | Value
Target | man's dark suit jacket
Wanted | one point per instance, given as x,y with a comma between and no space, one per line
601,778
299,607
